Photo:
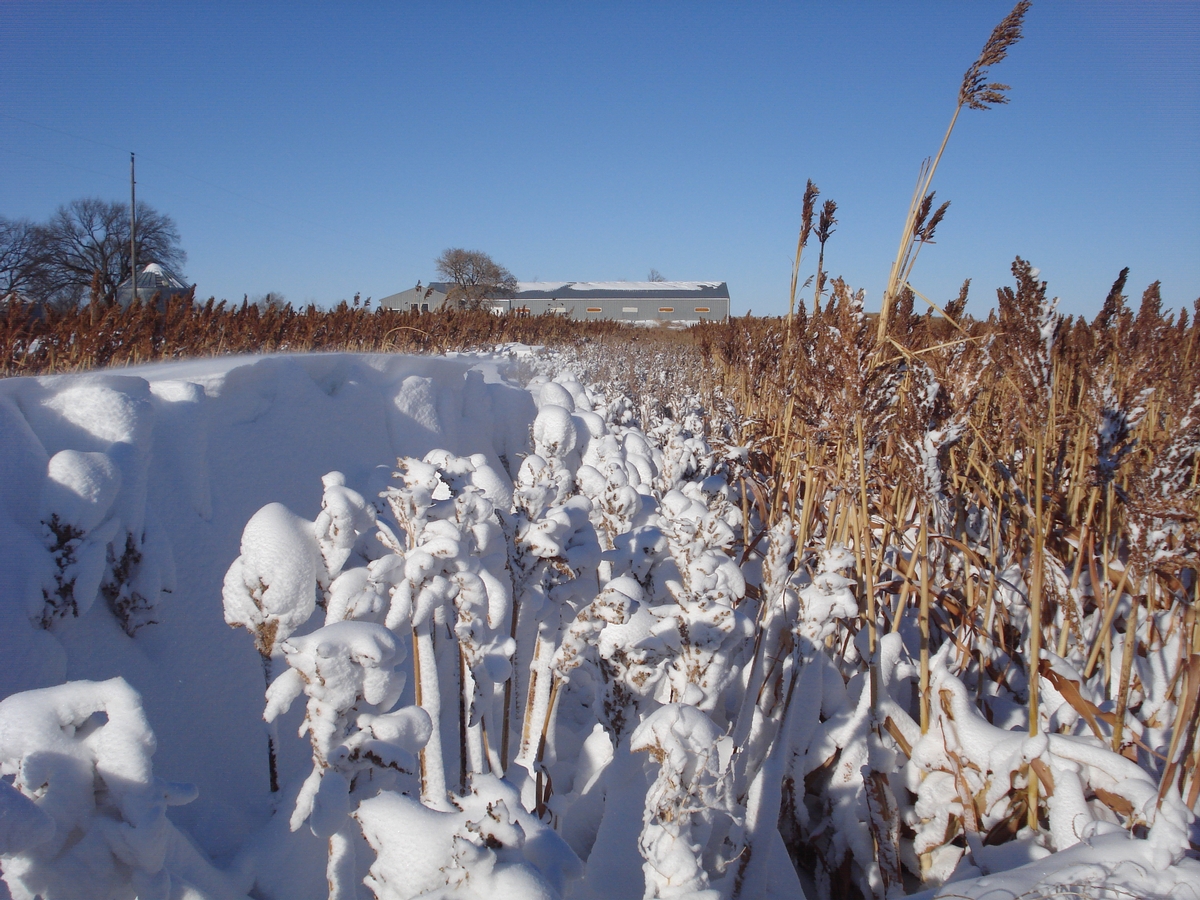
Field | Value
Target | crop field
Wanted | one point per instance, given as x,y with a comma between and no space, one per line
885,606
353,603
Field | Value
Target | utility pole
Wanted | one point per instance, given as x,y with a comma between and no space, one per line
132,232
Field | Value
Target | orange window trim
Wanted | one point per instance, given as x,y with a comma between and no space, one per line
595,309
666,309
702,309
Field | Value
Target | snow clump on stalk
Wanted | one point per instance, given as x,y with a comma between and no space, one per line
89,813
687,794
349,672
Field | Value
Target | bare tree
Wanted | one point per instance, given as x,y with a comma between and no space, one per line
21,257
86,247
475,277
271,300
655,275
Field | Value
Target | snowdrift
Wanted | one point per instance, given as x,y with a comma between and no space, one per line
436,574
178,457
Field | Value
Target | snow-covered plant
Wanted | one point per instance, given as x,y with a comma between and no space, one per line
271,588
94,553
489,847
768,674
90,815
344,518
689,792
828,598
78,525
453,575
349,672
706,636
837,795
608,480
554,560
969,778
612,606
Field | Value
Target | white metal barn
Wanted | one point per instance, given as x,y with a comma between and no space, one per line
630,301
417,299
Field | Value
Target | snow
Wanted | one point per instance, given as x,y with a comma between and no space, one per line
80,487
83,751
271,588
433,574
565,288
548,286
207,444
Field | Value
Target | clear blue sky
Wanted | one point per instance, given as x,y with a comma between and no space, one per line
320,150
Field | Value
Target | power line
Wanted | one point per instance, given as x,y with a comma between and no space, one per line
42,159
169,192
77,137
287,215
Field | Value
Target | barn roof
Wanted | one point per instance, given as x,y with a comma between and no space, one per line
616,290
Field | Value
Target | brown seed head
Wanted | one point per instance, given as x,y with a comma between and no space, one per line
976,92
806,212
827,221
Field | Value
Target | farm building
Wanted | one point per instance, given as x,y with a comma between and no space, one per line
417,299
630,301
153,281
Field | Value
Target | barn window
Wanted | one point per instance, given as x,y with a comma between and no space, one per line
595,309
632,309
666,309
702,309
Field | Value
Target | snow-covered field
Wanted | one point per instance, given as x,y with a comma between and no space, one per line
449,569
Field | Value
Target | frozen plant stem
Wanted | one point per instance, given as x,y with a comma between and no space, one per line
1128,649
272,730
1110,613
1035,615
976,94
865,538
923,617
428,696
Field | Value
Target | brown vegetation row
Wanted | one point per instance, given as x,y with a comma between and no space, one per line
35,340
1022,491
1057,456
960,459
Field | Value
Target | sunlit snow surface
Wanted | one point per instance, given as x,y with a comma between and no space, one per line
198,448
179,464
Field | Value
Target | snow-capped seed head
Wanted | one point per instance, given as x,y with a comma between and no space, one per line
837,559
409,728
628,587
366,643
554,433
80,488
591,483
592,423
555,395
271,588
